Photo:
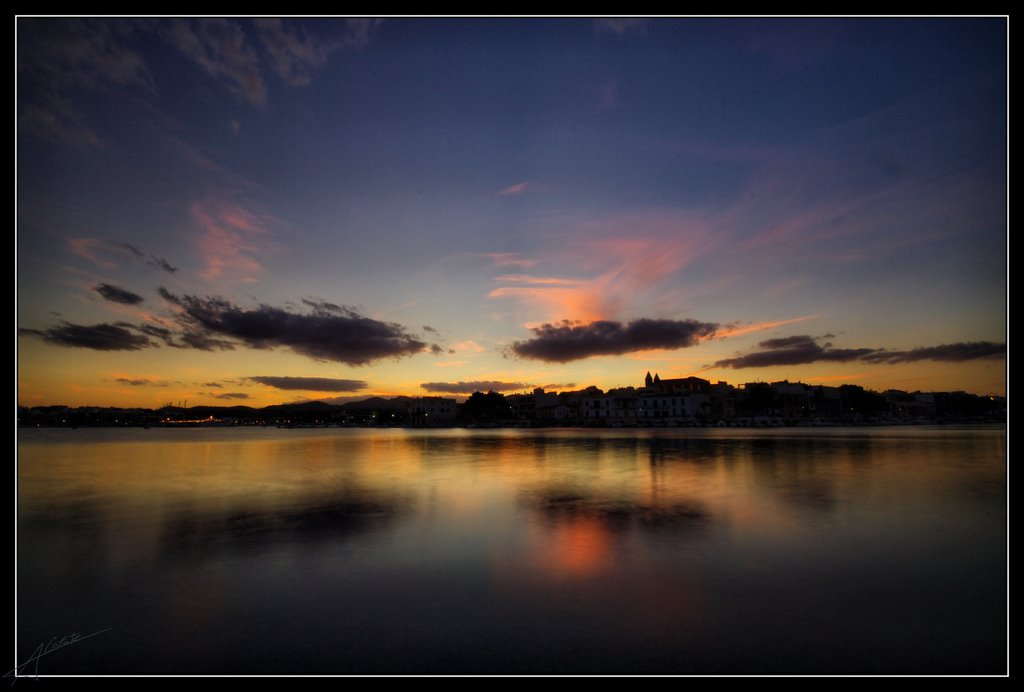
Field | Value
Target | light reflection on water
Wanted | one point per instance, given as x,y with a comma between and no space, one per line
240,550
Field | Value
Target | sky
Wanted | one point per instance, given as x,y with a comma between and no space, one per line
257,211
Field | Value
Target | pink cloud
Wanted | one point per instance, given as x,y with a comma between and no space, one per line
517,189
509,259
233,239
468,346
583,302
90,249
740,329
621,261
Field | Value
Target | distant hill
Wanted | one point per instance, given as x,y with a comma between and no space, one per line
378,403
304,407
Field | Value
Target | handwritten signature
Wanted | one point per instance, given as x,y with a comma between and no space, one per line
43,649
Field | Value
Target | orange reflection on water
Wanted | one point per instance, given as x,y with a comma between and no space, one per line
575,547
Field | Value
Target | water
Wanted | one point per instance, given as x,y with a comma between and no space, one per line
388,551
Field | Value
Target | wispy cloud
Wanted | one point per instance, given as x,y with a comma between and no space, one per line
220,48
871,187
621,262
161,263
536,280
738,329
620,26
91,249
106,254
151,260
509,259
517,189
56,120
57,57
224,181
467,346
359,31
294,52
233,239
815,223
235,229
89,53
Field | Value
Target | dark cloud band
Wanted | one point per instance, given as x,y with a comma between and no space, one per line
472,386
151,260
311,384
949,353
330,332
98,337
804,349
116,294
567,341
794,350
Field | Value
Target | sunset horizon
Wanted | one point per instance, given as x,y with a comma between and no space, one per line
449,390
207,207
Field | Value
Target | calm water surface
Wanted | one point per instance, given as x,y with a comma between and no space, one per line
339,551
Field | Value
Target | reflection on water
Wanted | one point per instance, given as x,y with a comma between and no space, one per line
709,551
200,535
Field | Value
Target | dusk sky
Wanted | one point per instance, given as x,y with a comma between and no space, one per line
261,211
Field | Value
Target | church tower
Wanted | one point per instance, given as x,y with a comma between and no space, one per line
647,380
